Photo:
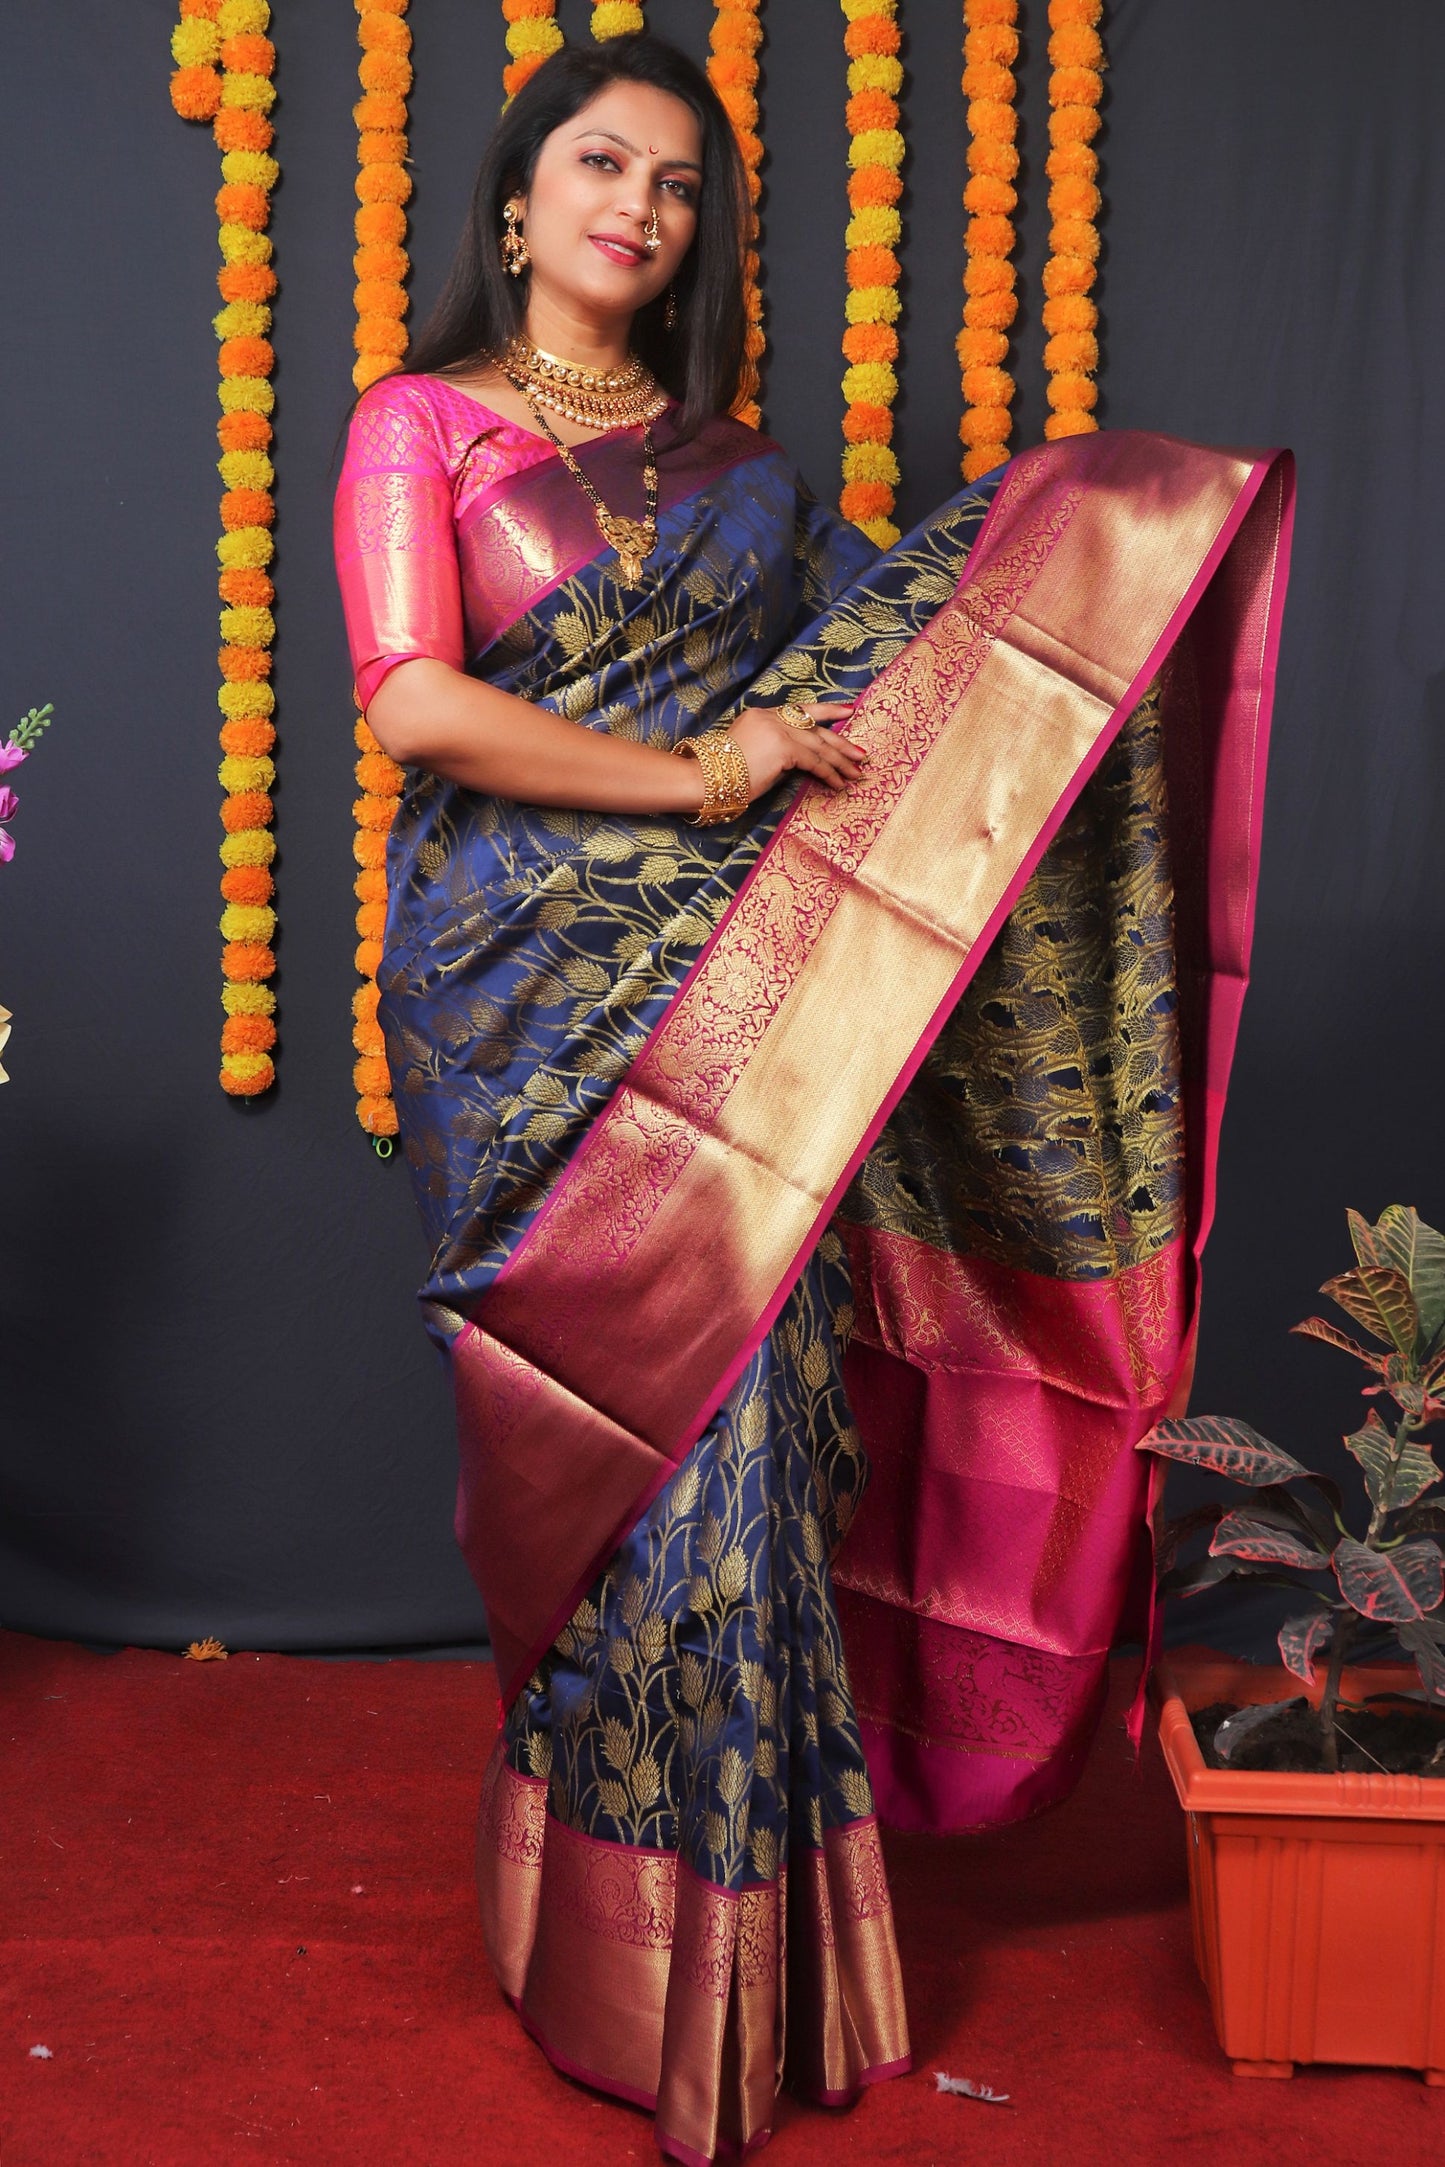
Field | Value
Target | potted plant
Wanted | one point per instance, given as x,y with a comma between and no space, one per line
1315,1790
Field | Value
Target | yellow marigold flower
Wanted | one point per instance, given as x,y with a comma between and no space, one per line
246,394
876,147
248,627
256,166
242,18
870,463
244,1068
242,771
246,470
250,547
855,10
255,93
876,71
873,305
239,999
615,18
881,531
248,922
195,43
248,846
242,244
245,699
874,226
242,320
870,383
533,35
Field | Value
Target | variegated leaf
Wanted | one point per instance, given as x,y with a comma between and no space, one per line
1418,1251
1378,1297
1243,1535
1392,1586
1223,1446
1317,1328
1394,1476
1423,1643
1302,1638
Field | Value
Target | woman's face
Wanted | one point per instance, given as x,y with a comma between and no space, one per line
597,181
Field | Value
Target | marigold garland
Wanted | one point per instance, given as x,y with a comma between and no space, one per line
1076,54
381,264
224,64
616,19
533,36
870,343
990,48
734,42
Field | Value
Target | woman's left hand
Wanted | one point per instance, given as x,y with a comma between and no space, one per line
774,739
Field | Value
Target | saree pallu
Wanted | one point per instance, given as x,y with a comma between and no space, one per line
750,1159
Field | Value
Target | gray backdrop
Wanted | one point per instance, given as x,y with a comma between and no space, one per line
220,1413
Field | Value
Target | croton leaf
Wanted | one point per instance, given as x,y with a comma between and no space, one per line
1424,1645
1394,1476
1302,1509
1418,1251
1173,1536
1423,1520
1393,1586
1378,1297
1245,1535
1224,1446
1301,1639
1318,1328
1368,1245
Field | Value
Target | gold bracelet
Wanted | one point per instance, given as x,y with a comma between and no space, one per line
727,785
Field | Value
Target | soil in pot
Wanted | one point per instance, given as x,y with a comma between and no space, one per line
1387,1735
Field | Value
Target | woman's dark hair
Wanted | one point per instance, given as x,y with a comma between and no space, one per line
481,306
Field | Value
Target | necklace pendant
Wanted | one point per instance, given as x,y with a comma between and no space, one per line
634,540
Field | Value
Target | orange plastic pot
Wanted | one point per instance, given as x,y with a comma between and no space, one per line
1318,1901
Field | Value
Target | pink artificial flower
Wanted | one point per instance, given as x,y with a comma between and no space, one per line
7,846
11,756
9,803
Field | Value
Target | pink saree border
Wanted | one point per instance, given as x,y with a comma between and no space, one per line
1261,466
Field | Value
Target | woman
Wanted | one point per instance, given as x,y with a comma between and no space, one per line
698,1074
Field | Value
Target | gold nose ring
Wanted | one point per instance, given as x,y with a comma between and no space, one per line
651,238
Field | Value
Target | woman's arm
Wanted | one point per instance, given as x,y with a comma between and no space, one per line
427,714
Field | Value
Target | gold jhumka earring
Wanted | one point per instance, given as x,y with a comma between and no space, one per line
669,310
515,253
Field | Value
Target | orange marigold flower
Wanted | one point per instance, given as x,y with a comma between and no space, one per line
1073,124
383,184
988,387
379,109
238,127
1069,312
247,884
872,267
870,109
380,335
249,54
990,121
370,886
243,431
1074,237
379,776
998,42
870,186
246,281
1073,46
990,11
382,33
371,1075
244,665
364,1001
246,508
245,809
976,347
246,357
249,735
993,155
1075,86
989,234
866,424
1072,350
871,34
248,1034
243,203
374,813
368,849
371,921
865,500
870,342
993,311
1068,274
377,1116
247,962
381,260
985,425
386,72
1071,197
986,81
380,222
368,959
248,1086
986,192
1070,388
243,587
196,93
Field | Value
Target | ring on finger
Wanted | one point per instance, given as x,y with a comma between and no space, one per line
799,718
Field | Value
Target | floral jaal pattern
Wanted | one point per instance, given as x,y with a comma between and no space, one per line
1057,1076
698,1699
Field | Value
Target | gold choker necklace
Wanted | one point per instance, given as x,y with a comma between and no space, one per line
594,398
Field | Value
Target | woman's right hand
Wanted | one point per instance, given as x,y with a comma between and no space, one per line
771,746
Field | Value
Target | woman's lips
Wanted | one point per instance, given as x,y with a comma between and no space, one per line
617,251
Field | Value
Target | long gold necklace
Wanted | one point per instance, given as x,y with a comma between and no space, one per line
633,539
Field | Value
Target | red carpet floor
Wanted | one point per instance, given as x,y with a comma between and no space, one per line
237,1911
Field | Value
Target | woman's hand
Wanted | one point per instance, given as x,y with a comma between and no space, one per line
771,746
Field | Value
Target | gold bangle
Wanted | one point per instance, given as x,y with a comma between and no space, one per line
727,785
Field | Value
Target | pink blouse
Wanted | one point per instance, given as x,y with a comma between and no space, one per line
418,456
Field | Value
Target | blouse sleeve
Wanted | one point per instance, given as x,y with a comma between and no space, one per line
831,551
395,536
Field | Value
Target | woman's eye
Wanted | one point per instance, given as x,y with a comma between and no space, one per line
590,157
684,192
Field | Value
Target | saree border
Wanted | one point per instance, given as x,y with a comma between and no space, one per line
1099,696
